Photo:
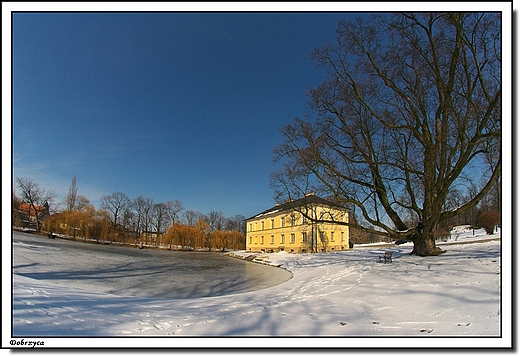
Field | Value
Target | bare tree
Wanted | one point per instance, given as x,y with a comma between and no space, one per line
70,198
73,201
116,204
82,203
16,202
129,220
138,206
492,154
236,223
191,217
215,220
36,197
148,214
173,208
410,106
160,216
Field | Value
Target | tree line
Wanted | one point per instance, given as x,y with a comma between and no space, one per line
140,221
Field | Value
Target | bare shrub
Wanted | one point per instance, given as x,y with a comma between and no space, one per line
489,220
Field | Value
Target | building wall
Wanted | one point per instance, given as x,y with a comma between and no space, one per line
289,231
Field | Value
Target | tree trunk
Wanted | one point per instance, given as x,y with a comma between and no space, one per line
424,245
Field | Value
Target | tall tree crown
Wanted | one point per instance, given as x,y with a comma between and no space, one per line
411,104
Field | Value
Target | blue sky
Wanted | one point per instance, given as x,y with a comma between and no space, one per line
172,106
168,105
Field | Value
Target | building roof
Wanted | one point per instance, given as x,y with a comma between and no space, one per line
309,199
28,209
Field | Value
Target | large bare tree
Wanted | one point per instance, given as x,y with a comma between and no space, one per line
409,111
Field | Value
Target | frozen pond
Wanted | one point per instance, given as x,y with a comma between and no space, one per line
143,273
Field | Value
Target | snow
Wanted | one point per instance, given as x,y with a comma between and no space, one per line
268,213
341,299
461,228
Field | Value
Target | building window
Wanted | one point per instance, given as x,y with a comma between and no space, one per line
272,223
282,240
250,227
304,237
272,239
250,239
322,236
293,238
332,236
293,219
282,221
262,225
262,239
342,236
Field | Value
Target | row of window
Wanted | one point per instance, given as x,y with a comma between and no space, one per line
293,238
282,223
292,220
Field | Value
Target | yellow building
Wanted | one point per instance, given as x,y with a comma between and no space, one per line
310,224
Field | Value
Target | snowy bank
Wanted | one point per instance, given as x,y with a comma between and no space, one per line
340,299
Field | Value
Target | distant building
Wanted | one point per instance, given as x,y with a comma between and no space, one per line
149,238
28,215
292,227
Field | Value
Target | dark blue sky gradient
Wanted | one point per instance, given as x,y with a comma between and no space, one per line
184,106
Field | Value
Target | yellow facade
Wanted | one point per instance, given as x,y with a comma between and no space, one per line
310,224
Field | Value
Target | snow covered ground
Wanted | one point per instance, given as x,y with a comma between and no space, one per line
343,299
